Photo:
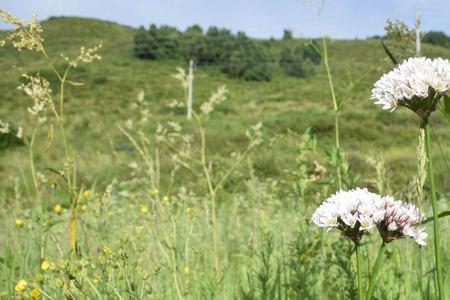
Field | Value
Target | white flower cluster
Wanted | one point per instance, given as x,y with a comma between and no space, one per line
86,56
38,88
349,211
418,83
357,211
25,35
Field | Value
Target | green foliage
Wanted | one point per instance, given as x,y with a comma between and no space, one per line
157,43
311,52
145,46
219,45
444,107
249,61
167,37
399,41
235,55
192,43
437,38
298,62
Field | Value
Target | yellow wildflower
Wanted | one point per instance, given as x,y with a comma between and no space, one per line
188,209
107,250
86,193
35,293
84,207
58,208
165,199
144,209
21,286
186,270
96,279
45,265
19,222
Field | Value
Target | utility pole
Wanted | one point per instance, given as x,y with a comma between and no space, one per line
418,33
190,88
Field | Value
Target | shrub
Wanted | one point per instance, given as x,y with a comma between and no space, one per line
145,46
167,40
310,52
157,43
219,45
298,62
250,62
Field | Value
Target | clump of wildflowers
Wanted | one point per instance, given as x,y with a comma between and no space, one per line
25,35
38,89
350,212
417,83
87,55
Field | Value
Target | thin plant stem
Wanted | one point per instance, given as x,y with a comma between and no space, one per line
375,270
212,193
335,108
358,267
437,238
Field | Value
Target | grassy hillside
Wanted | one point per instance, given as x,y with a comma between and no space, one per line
282,105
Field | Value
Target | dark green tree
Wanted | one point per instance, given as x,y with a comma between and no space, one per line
168,38
142,41
218,46
287,34
438,38
192,43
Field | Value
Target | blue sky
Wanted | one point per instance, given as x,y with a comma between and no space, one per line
258,18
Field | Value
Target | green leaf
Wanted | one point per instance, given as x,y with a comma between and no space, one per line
441,215
445,107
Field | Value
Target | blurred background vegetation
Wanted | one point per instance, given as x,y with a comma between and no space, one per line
292,97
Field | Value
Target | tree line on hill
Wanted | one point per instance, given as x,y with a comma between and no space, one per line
236,55
437,38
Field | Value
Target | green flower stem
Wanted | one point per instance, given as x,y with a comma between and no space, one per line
376,268
358,267
335,108
437,238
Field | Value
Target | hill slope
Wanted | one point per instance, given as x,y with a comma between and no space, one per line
283,104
